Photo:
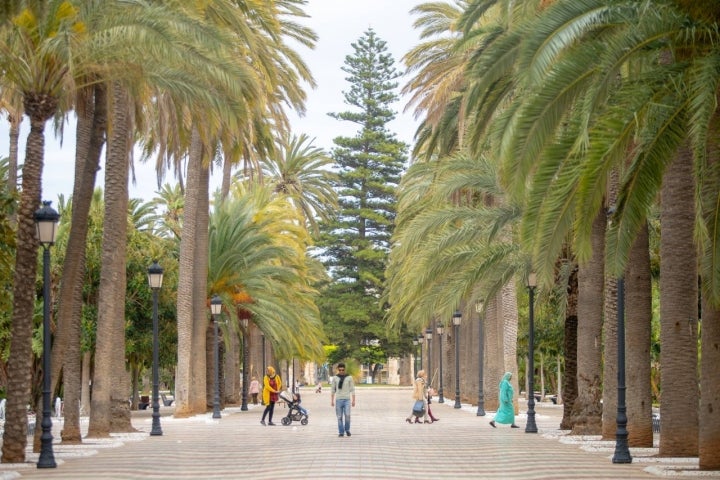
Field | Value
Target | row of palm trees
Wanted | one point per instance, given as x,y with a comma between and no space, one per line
551,133
198,84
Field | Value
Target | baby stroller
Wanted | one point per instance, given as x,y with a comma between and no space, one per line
295,411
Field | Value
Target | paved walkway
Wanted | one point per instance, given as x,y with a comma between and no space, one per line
461,445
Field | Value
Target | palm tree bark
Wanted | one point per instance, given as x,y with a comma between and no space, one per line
90,138
110,410
186,272
40,108
587,411
570,386
200,281
678,310
710,395
638,305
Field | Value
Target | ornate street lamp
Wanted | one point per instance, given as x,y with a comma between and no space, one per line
46,219
243,405
622,452
155,279
457,319
531,427
216,309
440,330
481,359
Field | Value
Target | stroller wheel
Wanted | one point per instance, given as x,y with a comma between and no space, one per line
304,421
286,421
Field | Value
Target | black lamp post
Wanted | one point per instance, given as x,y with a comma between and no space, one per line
155,279
440,330
243,405
46,219
622,452
215,309
531,427
457,319
481,360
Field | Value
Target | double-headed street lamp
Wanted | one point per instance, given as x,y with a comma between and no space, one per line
243,405
481,360
155,279
531,427
216,309
420,339
440,330
456,319
46,219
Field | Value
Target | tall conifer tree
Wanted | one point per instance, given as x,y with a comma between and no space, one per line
356,243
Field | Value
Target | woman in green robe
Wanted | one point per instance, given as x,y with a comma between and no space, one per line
506,411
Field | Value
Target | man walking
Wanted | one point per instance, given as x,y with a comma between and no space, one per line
343,390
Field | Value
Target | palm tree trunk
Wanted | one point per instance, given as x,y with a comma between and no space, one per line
200,305
570,386
638,305
587,411
710,397
678,311
21,355
186,274
90,138
110,410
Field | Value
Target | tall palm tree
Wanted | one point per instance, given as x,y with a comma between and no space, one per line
259,33
298,171
35,58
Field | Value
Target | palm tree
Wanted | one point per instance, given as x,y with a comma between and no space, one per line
34,58
298,171
258,33
620,122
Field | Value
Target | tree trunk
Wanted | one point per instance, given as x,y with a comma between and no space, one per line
570,387
710,392
21,356
110,410
201,303
587,410
85,392
678,311
493,354
186,274
638,321
90,138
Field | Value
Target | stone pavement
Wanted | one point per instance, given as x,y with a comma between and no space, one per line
383,446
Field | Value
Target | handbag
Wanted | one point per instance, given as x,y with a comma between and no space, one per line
419,408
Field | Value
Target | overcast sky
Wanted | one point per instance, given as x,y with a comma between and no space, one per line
338,23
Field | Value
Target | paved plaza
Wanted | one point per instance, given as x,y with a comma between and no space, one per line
383,446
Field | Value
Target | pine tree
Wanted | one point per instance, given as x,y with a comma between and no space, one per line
356,243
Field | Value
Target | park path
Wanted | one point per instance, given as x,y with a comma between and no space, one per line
383,446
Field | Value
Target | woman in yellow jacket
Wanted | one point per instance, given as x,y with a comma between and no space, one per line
272,385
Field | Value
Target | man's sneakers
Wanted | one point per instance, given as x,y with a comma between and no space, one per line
341,434
262,422
347,433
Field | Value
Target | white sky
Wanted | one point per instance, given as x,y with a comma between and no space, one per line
338,23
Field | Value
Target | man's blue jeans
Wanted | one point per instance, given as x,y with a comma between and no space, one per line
342,409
